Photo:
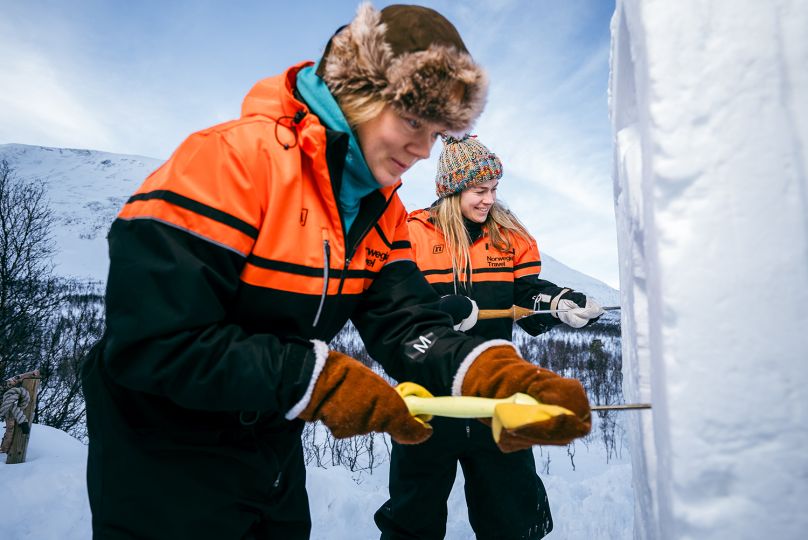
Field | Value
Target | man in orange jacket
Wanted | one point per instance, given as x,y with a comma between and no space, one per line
237,261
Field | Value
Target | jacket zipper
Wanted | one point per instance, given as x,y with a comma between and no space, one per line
359,240
326,264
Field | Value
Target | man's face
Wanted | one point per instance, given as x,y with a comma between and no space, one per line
392,142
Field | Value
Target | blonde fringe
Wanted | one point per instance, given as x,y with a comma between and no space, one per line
358,108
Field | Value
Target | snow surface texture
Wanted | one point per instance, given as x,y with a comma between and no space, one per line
709,112
45,497
86,189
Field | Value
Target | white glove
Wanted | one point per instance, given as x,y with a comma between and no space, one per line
578,316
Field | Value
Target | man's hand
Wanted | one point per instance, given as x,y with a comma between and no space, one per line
352,400
500,372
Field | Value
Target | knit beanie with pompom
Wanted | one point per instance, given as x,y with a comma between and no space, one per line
464,163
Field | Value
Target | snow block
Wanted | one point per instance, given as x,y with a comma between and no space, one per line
710,126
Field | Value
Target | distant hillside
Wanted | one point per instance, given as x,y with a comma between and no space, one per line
87,189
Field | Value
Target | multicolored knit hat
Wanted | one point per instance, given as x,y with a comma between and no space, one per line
464,163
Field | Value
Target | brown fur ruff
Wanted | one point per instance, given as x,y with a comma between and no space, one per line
439,84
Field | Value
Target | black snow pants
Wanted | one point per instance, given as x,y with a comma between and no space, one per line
175,480
506,499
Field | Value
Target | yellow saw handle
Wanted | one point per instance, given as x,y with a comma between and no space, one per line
508,413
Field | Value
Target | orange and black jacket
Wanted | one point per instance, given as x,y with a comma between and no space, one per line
231,257
499,279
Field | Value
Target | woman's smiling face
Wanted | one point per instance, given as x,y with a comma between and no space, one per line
476,201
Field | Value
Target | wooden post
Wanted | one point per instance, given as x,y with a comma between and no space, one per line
19,440
7,435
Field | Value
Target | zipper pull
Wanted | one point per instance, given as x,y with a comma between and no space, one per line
326,264
326,247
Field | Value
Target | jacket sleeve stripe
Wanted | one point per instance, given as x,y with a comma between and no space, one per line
526,272
198,208
437,272
532,268
476,271
303,284
401,252
297,278
496,277
401,247
189,221
307,271
532,264
500,270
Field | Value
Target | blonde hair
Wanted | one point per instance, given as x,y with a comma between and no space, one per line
448,218
359,108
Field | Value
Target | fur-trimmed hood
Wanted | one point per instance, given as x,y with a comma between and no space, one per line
410,57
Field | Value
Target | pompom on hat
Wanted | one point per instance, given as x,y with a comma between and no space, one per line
411,57
464,163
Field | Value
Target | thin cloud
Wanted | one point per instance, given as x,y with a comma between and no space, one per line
40,106
546,114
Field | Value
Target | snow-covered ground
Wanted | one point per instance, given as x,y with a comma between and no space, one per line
45,497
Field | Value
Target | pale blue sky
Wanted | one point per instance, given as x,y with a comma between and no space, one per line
136,77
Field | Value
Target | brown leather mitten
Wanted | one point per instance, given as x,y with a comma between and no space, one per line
500,372
352,400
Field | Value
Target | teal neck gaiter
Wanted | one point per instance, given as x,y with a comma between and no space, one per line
357,180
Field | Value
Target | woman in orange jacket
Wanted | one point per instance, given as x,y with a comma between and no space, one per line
468,243
240,258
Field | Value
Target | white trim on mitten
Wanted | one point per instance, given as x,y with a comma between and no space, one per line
457,383
321,355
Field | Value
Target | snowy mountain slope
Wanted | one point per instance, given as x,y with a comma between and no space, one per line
561,274
87,188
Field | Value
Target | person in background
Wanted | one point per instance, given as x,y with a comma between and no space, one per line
469,244
241,257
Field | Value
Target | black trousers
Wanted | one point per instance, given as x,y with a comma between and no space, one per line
167,483
505,497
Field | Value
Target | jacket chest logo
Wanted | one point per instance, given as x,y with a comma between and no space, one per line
437,248
373,255
499,262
